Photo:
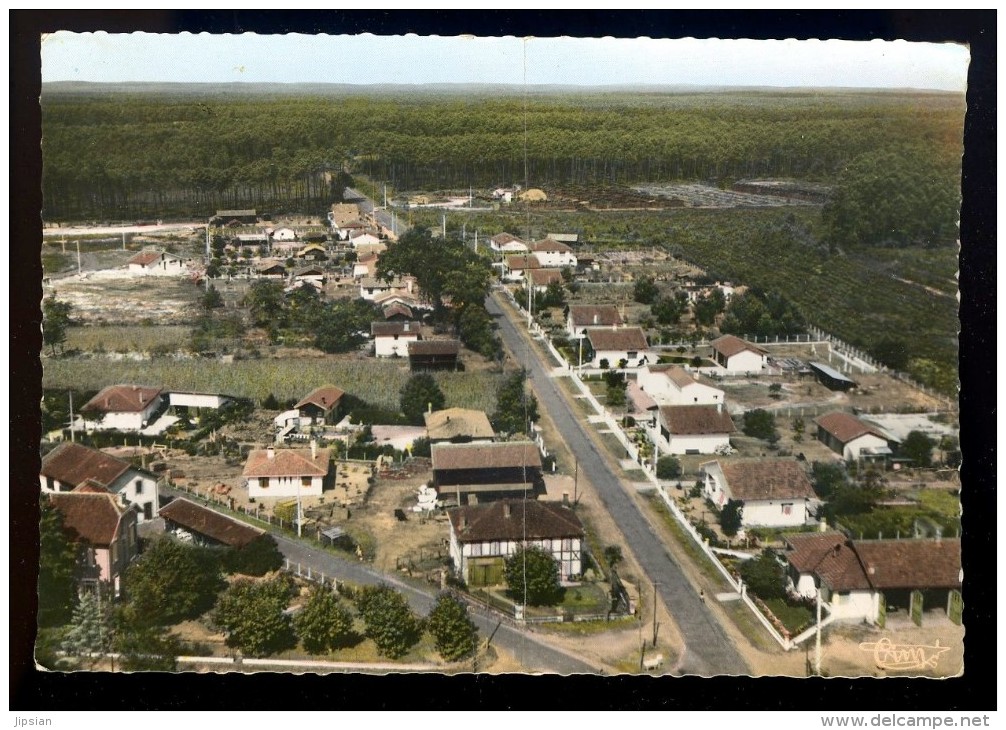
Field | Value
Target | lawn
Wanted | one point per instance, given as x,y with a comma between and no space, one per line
794,617
128,338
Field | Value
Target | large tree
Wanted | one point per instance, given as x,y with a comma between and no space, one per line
258,557
645,290
57,587
253,616
419,394
55,321
453,631
390,623
764,576
532,576
171,582
760,424
323,623
516,409
918,447
89,631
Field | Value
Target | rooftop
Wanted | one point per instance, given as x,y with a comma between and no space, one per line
625,338
696,420
845,427
515,520
324,397
508,454
89,516
122,399
605,315
209,522
728,346
754,479
457,422
434,347
287,463
523,262
390,329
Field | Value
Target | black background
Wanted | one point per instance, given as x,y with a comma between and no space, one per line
30,689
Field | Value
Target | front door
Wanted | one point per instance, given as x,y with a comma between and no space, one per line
881,610
915,609
955,607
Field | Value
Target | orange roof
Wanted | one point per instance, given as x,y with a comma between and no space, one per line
728,346
549,245
122,399
73,464
766,479
544,277
846,427
325,397
696,420
90,517
287,463
522,262
601,316
626,338
514,520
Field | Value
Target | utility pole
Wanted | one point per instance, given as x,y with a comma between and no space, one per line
654,614
445,226
576,477
72,436
817,638
79,271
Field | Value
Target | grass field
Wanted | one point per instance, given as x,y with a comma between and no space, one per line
128,338
374,381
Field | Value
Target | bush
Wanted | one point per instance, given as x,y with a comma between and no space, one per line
391,625
258,557
453,631
764,576
533,573
668,467
323,623
253,616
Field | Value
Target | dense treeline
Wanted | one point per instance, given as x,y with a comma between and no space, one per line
121,156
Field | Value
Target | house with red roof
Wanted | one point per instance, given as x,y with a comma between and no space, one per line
320,406
552,254
507,243
852,438
672,385
123,407
104,532
774,492
617,348
271,473
391,339
581,316
738,356
191,521
693,429
72,467
870,580
515,267
483,536
156,263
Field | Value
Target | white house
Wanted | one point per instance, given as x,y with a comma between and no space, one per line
71,466
775,492
612,346
507,244
515,266
372,289
391,339
869,580
313,275
156,263
365,266
674,386
552,254
581,317
693,429
122,407
854,439
284,234
273,473
484,535
542,278
363,238
738,356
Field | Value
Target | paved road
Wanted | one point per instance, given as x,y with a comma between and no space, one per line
383,216
708,649
533,655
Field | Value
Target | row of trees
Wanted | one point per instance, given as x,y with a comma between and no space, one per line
240,151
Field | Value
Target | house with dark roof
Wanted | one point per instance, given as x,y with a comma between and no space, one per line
270,268
507,243
774,492
433,355
205,526
71,467
483,536
104,532
161,263
852,438
515,267
672,385
480,472
736,356
123,407
693,429
313,252
397,312
580,317
321,406
458,425
869,580
610,347
227,217
831,378
391,339
541,278
271,473
552,254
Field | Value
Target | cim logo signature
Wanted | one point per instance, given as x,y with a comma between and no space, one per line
889,655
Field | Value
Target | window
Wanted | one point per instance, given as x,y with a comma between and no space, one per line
631,355
476,549
305,481
567,544
787,508
138,486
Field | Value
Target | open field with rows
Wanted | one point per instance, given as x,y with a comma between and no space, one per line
377,382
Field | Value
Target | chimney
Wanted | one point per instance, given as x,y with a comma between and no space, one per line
406,327
270,453
323,400
506,510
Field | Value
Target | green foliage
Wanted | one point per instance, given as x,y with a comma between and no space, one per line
645,290
421,447
668,310
731,517
891,351
146,648
918,447
759,423
55,321
668,467
89,628
390,623
252,615
477,331
613,555
323,624
57,587
827,477
532,574
762,315
706,308
516,409
172,582
420,393
453,631
764,576
906,196
211,299
258,557
270,403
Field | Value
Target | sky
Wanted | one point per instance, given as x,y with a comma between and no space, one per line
411,59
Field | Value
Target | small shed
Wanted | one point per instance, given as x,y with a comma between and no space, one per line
831,378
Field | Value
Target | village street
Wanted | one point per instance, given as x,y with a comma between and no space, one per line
708,649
